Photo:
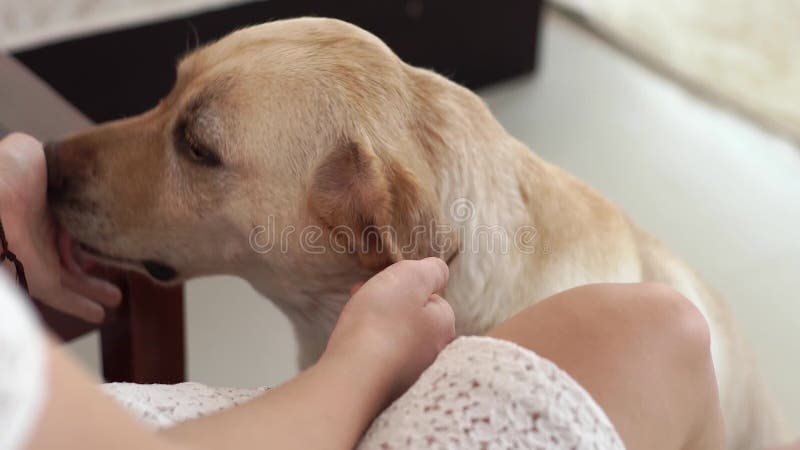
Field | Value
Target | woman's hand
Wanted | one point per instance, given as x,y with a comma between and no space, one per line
31,234
395,323
388,333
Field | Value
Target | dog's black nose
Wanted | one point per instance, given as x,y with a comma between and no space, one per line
160,271
55,181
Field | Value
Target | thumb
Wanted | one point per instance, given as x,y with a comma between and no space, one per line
409,280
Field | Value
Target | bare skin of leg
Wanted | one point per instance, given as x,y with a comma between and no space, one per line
642,352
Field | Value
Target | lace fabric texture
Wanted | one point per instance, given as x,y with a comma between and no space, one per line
484,393
165,405
481,393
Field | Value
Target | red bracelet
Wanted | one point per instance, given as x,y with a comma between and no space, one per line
9,255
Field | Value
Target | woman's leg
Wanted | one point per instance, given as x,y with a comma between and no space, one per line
641,350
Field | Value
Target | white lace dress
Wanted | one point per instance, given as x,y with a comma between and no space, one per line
481,393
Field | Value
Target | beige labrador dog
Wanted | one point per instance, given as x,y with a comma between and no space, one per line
303,156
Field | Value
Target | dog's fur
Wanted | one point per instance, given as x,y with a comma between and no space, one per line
316,123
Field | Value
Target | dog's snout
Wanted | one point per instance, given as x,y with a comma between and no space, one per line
55,180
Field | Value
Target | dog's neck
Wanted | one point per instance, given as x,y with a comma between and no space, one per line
311,297
480,193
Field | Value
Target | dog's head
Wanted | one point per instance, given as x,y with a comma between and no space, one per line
278,129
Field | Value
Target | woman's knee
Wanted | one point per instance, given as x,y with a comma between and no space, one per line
633,330
619,317
665,314
641,350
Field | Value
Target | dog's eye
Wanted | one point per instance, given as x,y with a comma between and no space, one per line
193,149
198,153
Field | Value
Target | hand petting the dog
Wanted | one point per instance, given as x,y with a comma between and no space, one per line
397,320
32,236
390,330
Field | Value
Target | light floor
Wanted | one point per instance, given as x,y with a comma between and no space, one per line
720,192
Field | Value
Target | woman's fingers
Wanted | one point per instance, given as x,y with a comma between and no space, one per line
77,305
22,173
96,289
443,313
415,280
437,301
23,200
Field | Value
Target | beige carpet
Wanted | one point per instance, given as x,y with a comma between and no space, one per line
743,52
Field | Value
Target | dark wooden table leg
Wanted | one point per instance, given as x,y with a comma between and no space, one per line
143,340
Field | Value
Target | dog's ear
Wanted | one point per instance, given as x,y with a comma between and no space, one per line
378,206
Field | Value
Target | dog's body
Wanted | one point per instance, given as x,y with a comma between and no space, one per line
313,124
